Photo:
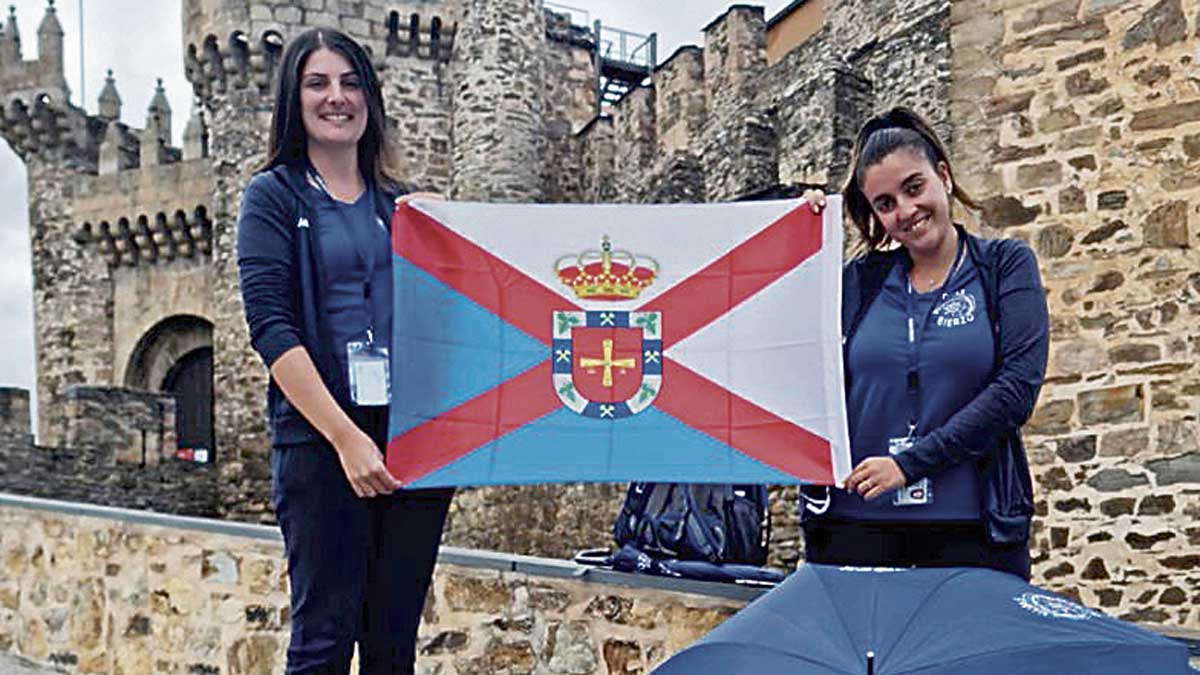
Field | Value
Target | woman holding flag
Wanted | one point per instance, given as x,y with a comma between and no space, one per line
314,257
945,339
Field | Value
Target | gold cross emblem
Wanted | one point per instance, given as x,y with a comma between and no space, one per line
607,363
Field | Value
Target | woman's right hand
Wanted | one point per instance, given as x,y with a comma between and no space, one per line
363,464
815,199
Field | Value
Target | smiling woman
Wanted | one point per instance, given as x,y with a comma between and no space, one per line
945,343
314,258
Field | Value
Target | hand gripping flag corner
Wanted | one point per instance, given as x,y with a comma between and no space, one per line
682,343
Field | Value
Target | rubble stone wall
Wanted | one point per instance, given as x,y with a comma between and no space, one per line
71,298
1078,124
119,452
103,591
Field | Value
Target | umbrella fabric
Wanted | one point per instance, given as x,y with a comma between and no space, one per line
824,620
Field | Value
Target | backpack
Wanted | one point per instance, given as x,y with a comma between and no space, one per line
718,523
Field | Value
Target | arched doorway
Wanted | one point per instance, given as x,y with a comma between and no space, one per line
191,381
176,356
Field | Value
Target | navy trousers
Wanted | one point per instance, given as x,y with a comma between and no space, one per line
359,568
840,542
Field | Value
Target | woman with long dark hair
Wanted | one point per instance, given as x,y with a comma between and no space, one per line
945,339
314,258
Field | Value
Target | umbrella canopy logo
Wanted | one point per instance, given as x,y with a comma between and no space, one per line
1054,607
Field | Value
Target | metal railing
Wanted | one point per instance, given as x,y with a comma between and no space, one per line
626,46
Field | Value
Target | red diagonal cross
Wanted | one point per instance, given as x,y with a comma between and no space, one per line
687,307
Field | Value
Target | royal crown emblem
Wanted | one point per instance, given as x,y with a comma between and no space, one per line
606,274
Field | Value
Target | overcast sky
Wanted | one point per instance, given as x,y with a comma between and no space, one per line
141,41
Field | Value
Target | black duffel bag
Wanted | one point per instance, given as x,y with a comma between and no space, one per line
718,523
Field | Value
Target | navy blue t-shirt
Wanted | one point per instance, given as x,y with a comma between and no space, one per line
348,234
951,347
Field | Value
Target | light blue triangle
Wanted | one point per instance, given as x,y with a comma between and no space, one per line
447,349
567,447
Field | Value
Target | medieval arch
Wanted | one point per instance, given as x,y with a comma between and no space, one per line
176,356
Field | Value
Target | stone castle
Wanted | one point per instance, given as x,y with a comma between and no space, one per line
1076,123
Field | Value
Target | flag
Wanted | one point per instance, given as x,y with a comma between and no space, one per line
609,343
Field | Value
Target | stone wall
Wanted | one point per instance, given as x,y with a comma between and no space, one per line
72,308
738,140
103,591
569,76
418,104
100,590
119,450
499,98
1078,124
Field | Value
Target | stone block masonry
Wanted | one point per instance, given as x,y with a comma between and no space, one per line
96,590
101,590
1077,124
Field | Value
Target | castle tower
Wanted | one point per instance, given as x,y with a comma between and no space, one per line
739,143
109,101
10,39
50,40
195,136
498,101
58,145
159,112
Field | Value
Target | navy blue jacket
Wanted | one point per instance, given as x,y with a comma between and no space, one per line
279,265
988,429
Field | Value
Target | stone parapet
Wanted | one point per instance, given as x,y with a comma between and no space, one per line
93,589
95,475
105,590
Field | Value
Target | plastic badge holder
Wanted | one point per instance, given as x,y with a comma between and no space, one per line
919,493
370,381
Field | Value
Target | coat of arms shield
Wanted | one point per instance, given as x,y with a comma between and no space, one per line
607,364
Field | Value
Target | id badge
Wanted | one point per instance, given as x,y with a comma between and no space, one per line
919,493
370,383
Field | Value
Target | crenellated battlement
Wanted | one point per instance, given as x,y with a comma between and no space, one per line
57,130
35,78
410,36
149,240
248,57
38,124
241,62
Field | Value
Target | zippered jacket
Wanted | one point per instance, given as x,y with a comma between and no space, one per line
987,430
281,276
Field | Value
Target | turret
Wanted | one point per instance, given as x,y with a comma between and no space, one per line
109,100
50,40
158,114
10,40
195,136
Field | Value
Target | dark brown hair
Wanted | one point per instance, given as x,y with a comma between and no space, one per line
288,142
882,135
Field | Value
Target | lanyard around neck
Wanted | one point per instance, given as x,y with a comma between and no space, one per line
916,332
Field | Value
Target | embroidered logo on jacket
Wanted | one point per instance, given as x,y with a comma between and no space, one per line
955,309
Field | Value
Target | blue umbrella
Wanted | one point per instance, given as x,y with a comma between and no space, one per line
827,620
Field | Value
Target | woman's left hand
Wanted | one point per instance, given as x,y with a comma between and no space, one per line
875,476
